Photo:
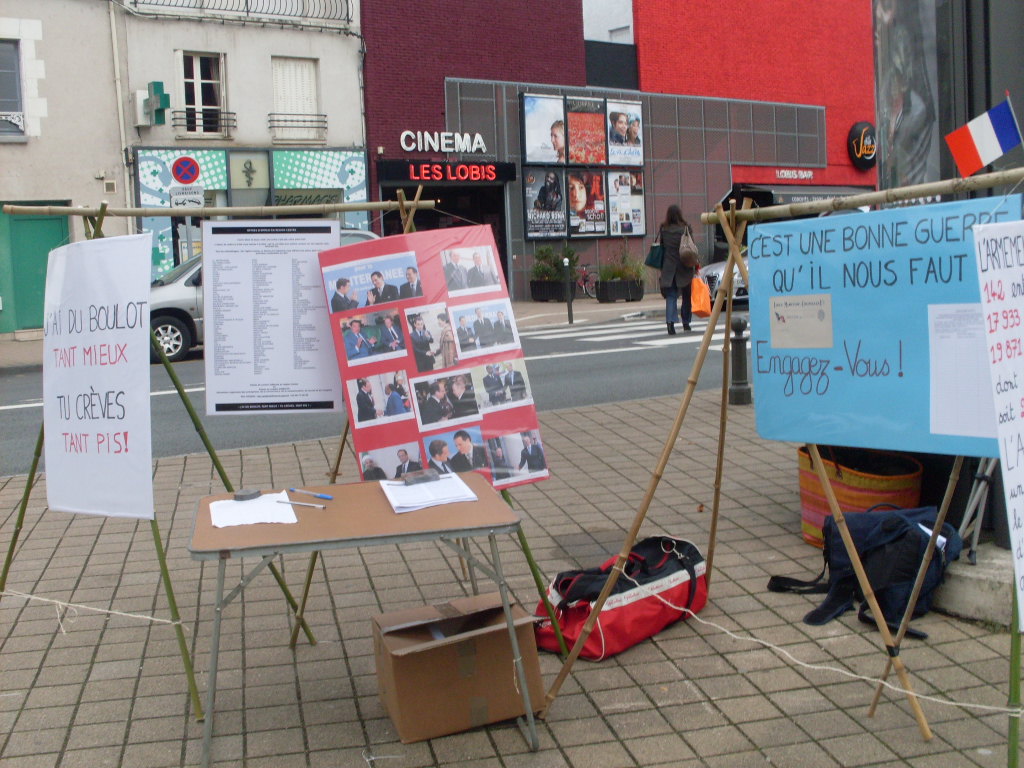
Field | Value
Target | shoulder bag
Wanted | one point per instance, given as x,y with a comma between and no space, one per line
656,254
688,254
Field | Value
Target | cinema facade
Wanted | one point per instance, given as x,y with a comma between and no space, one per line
500,148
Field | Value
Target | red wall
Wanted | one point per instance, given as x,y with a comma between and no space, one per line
411,47
793,51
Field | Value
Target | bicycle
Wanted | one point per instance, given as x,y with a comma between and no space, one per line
586,280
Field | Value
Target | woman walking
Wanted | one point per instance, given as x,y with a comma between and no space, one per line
675,275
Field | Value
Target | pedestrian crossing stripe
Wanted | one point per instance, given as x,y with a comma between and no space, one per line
610,332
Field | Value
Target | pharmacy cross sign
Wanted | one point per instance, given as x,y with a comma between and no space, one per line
156,103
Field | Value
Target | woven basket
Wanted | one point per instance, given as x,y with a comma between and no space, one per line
860,478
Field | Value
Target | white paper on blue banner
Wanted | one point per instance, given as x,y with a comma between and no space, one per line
866,329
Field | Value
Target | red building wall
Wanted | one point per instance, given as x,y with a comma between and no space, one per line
795,51
413,45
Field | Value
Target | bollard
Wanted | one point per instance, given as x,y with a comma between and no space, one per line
739,389
567,277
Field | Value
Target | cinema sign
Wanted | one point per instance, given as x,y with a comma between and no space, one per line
442,141
404,171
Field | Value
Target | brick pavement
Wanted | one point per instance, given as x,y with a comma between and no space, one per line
106,690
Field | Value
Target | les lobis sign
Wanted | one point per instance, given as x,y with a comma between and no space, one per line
420,172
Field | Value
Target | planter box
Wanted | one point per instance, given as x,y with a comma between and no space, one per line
619,290
549,290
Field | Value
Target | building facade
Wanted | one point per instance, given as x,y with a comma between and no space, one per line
698,135
256,104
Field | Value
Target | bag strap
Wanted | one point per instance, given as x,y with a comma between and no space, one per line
815,586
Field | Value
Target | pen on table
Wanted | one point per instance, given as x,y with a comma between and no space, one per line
301,504
310,493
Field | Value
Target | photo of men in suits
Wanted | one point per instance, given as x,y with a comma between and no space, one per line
381,291
366,410
532,456
390,338
405,464
455,275
411,288
341,301
357,345
438,450
480,274
468,456
515,383
494,386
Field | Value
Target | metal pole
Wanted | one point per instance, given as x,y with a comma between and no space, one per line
739,389
567,279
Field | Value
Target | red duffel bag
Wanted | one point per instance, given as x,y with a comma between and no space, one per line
670,575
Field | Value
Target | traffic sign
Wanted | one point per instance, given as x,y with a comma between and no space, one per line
187,197
185,170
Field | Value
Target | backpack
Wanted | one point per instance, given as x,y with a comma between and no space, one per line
891,544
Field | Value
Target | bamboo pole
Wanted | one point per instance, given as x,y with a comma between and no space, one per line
869,594
1013,737
894,195
22,507
253,211
656,475
734,235
922,569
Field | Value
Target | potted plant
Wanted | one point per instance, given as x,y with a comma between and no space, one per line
547,274
621,279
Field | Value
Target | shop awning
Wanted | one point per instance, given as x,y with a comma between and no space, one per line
786,194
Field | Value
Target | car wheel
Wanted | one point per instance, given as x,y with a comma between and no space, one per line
173,337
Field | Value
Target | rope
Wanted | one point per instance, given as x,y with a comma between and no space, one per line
1011,711
70,610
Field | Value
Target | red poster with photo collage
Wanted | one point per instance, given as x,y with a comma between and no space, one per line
430,359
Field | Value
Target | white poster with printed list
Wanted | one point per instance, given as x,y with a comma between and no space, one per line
999,257
96,407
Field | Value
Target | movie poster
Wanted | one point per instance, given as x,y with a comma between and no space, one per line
543,129
625,133
430,357
585,122
544,202
587,210
626,203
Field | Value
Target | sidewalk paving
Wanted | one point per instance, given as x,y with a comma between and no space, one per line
97,689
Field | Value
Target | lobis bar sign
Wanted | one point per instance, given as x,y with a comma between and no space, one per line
421,172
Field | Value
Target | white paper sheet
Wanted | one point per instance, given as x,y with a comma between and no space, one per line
445,490
961,395
265,509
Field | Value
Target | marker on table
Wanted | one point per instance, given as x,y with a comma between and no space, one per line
310,493
301,504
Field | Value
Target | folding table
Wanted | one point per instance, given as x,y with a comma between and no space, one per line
358,516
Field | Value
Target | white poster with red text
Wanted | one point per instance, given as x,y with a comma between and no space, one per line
430,359
96,402
999,257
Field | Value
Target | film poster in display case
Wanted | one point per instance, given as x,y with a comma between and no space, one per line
585,121
430,358
544,202
625,133
626,203
588,215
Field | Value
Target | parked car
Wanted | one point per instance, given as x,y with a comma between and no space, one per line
713,275
176,303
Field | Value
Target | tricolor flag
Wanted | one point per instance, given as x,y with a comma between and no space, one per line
985,139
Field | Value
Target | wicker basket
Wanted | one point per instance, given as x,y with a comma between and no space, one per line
860,478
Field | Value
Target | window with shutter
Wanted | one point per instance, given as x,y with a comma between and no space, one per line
296,105
12,116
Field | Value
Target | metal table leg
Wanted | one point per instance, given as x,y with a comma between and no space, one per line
211,682
530,729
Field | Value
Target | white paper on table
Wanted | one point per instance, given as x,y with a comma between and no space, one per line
445,490
264,509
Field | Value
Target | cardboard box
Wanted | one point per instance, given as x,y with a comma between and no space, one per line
447,668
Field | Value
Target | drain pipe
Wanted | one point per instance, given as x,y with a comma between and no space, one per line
119,96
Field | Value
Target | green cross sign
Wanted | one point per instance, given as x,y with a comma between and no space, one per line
157,103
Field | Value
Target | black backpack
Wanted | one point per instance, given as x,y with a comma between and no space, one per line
891,544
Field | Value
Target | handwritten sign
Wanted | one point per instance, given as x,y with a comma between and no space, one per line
999,257
865,329
96,409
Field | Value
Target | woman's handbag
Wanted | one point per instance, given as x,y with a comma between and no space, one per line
656,254
688,254
662,582
700,297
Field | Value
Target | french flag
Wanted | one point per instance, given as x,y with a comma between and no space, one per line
985,139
